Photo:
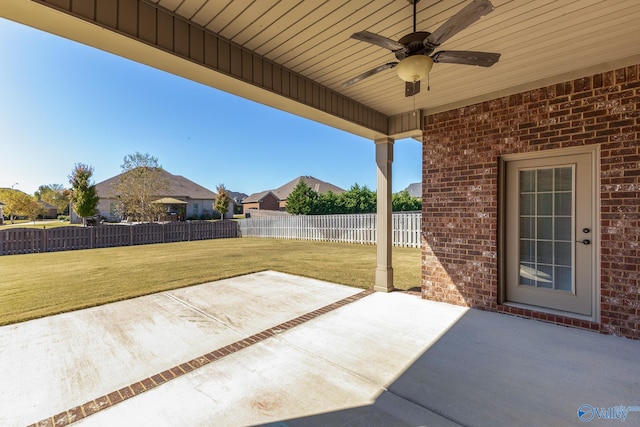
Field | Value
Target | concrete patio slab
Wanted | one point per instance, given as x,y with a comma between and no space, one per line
490,369
330,364
55,363
281,350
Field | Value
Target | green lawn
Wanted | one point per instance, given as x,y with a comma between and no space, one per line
37,285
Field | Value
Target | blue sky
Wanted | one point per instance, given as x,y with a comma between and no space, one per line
63,103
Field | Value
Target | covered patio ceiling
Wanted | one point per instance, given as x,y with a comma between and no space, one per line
294,55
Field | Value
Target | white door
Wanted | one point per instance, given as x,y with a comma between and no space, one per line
549,236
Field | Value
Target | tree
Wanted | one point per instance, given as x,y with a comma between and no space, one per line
84,196
222,201
33,209
302,200
403,201
56,195
140,183
328,204
358,200
16,203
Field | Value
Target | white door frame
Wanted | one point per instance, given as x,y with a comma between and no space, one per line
594,150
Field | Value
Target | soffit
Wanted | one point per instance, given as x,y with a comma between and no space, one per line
541,42
537,39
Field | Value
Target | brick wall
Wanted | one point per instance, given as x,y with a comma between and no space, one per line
269,202
461,152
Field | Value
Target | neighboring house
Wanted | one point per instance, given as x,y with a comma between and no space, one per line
2,205
236,200
265,200
316,185
415,190
192,201
50,211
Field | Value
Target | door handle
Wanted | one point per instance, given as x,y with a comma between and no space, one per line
584,241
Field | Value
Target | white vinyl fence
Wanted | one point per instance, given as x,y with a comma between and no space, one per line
356,228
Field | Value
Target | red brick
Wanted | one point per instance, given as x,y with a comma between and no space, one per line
114,397
126,392
61,420
148,383
137,388
177,371
90,408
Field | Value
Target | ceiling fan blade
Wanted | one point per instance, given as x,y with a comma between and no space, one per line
369,73
378,40
458,22
482,59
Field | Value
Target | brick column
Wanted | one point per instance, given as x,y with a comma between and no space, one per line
384,270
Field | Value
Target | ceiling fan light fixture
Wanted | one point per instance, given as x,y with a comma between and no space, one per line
414,68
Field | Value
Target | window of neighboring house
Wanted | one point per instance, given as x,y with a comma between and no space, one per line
113,209
196,208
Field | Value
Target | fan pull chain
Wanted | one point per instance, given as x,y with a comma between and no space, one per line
428,82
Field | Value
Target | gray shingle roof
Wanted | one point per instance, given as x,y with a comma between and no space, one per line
256,197
179,187
415,189
237,196
316,185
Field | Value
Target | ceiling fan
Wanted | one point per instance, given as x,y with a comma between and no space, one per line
414,51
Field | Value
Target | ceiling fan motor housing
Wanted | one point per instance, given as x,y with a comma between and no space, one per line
414,44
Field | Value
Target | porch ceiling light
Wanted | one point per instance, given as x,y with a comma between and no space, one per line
414,68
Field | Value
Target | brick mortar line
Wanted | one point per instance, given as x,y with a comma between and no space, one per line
103,402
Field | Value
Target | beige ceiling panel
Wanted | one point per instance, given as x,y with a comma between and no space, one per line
231,12
276,24
254,12
327,49
232,17
189,8
209,11
393,20
431,16
294,33
547,21
320,35
271,20
171,5
548,64
579,38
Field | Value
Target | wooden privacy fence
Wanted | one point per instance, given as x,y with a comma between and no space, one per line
32,240
356,228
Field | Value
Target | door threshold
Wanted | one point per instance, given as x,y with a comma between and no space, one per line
551,311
